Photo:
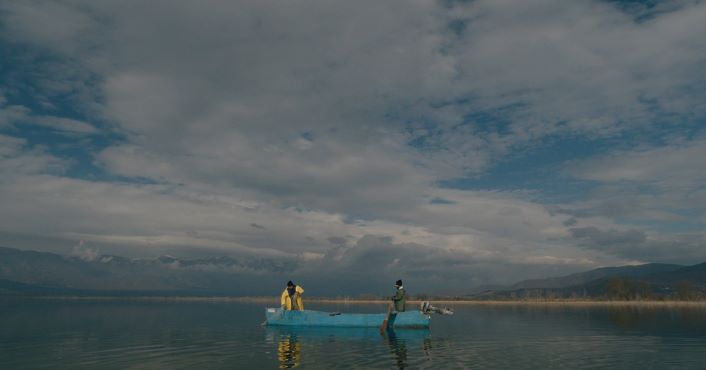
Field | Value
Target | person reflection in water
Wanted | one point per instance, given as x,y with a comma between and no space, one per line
288,352
292,297
398,347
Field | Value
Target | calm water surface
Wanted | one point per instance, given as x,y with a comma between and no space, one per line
205,335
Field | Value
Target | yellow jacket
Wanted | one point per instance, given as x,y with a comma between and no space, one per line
286,301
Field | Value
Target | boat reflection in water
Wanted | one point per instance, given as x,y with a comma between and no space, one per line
312,345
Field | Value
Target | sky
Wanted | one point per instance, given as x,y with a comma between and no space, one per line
452,144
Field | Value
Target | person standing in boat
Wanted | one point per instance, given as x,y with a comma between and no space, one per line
292,297
400,297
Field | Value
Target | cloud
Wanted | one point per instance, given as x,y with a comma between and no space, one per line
609,238
85,253
10,145
337,240
17,116
151,219
582,72
17,159
657,183
672,166
552,260
64,124
375,261
330,126
637,245
588,69
47,24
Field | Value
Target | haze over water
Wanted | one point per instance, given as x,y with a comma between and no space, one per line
43,334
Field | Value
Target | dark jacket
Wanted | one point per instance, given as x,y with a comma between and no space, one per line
400,299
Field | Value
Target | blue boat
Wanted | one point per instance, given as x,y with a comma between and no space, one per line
409,319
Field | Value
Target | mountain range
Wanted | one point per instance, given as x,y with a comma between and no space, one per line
29,272
24,272
651,280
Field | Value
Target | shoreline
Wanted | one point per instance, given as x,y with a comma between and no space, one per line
312,300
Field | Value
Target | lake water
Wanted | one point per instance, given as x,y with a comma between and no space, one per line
50,334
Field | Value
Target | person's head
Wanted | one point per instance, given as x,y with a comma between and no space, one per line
398,283
290,284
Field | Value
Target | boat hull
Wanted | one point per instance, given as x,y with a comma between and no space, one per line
279,317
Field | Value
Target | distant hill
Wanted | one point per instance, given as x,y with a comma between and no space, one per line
29,272
40,273
695,274
14,288
623,282
600,273
8,287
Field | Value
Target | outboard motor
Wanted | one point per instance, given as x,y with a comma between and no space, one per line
427,308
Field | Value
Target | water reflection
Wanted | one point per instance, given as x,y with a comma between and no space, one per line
637,318
288,351
169,335
397,345
296,345
630,317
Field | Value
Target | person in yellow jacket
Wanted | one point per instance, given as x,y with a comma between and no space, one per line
292,297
